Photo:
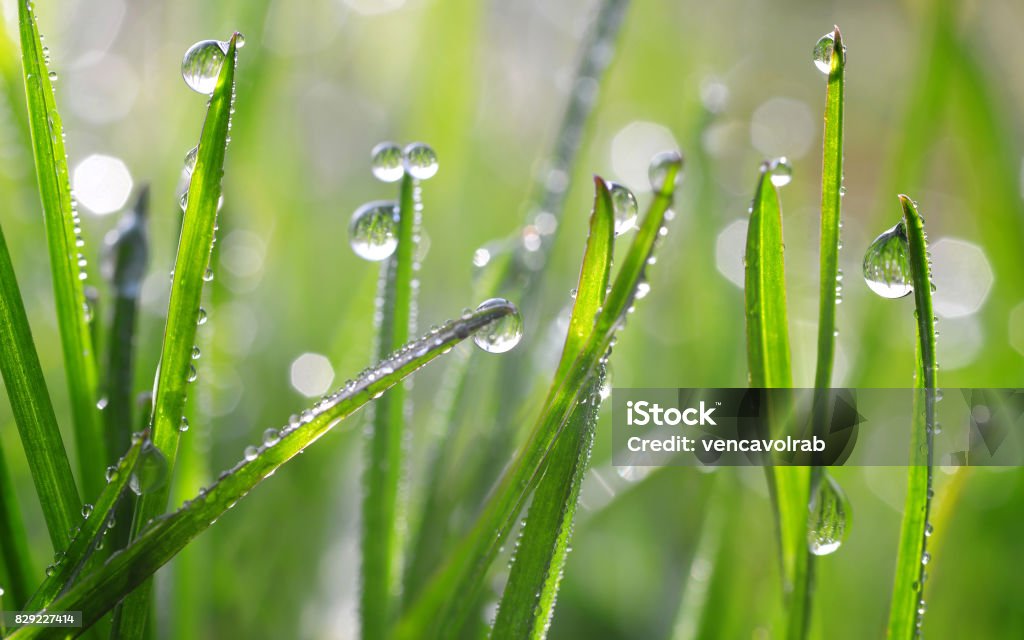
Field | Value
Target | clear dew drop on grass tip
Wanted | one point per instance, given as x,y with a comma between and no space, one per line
661,165
503,334
886,264
828,516
624,206
373,230
420,161
387,162
823,53
781,171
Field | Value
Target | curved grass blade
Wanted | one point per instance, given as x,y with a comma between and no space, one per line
92,527
528,601
98,591
183,312
911,555
768,356
435,613
506,276
382,513
33,411
62,236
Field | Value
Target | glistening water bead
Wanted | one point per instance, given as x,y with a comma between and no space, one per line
828,517
624,206
503,334
886,265
373,230
201,65
150,471
190,159
387,162
420,161
781,171
661,164
823,53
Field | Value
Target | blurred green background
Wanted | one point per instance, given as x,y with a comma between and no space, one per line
934,97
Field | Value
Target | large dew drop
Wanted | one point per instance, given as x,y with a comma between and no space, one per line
202,63
828,517
781,171
190,159
386,162
661,164
823,53
150,471
624,206
502,335
373,231
420,161
886,266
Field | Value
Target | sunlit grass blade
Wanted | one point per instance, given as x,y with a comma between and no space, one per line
768,357
382,513
183,311
99,590
33,410
94,523
435,613
528,601
911,558
15,565
62,235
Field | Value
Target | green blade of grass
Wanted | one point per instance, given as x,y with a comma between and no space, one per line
528,601
908,585
183,312
15,565
768,357
91,528
99,590
62,235
33,411
382,513
435,613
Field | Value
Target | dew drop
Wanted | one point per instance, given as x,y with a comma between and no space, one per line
886,266
373,230
928,530
781,171
112,473
624,206
271,437
828,517
190,159
192,374
642,289
183,425
250,453
86,510
50,570
150,471
662,164
202,317
420,161
386,162
239,41
201,65
926,557
208,275
823,53
502,335
196,353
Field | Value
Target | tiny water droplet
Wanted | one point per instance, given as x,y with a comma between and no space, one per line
191,158
642,289
373,230
53,76
420,161
50,570
271,437
201,65
183,425
239,40
624,206
386,162
196,353
781,171
662,164
102,403
150,471
886,266
928,529
823,53
192,374
112,473
828,517
573,292
208,275
202,317
926,557
250,453
86,510
503,334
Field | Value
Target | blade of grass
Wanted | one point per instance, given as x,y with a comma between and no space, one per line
435,613
183,313
382,513
506,271
15,565
528,601
911,558
62,235
768,356
33,411
129,255
99,590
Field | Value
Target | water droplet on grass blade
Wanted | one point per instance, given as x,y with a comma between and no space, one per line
886,266
86,510
183,425
661,165
503,334
250,453
420,161
201,65
387,162
828,517
624,206
373,230
150,471
823,53
111,473
191,158
781,171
